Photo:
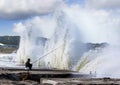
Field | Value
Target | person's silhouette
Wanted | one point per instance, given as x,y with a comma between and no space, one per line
28,64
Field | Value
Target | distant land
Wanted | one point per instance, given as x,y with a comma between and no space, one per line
9,44
10,40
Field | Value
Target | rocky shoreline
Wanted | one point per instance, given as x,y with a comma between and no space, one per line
51,77
9,82
33,77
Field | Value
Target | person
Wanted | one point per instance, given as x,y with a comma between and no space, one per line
28,64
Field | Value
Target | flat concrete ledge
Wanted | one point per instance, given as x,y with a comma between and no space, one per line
52,77
36,74
80,81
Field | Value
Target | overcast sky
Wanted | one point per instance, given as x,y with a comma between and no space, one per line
14,11
11,11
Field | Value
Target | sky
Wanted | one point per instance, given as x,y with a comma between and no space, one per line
6,27
95,17
11,12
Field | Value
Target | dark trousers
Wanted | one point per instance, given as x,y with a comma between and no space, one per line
29,66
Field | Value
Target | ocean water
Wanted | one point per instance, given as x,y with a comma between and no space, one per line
9,60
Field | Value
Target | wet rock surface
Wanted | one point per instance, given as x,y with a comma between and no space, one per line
10,82
51,77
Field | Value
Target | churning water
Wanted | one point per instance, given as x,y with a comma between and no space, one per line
7,60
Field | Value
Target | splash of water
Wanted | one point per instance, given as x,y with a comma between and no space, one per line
104,63
62,37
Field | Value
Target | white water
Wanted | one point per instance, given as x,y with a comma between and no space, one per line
7,60
63,35
104,64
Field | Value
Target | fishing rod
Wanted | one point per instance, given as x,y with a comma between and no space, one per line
48,53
